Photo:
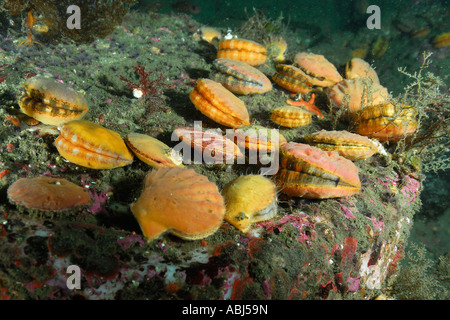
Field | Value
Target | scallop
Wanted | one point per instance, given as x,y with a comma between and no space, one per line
249,199
181,202
48,194
152,151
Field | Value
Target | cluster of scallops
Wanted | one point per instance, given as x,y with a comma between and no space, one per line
178,200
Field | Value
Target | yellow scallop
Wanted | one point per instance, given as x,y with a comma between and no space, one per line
90,145
249,199
152,151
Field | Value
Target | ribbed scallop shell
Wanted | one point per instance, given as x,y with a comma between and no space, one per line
349,145
442,40
240,78
211,144
179,201
219,104
249,199
52,102
258,138
310,172
322,72
387,122
276,48
152,151
290,116
354,94
49,194
358,68
210,34
90,145
246,51
292,79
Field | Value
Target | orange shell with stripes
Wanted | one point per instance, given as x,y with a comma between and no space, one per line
258,138
386,122
90,145
219,104
240,78
310,172
290,116
355,94
358,68
442,40
292,79
152,151
351,146
210,143
246,51
52,102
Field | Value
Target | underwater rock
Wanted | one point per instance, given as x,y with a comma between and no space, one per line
337,248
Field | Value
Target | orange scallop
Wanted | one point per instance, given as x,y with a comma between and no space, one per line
355,94
219,104
48,194
290,116
246,51
320,71
358,68
442,40
292,79
152,151
351,146
210,34
240,78
386,122
211,144
179,201
258,138
90,145
310,172
276,48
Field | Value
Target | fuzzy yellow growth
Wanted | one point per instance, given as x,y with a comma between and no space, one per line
210,34
442,40
249,199
276,48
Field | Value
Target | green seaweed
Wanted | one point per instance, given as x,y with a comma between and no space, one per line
419,278
428,147
260,28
